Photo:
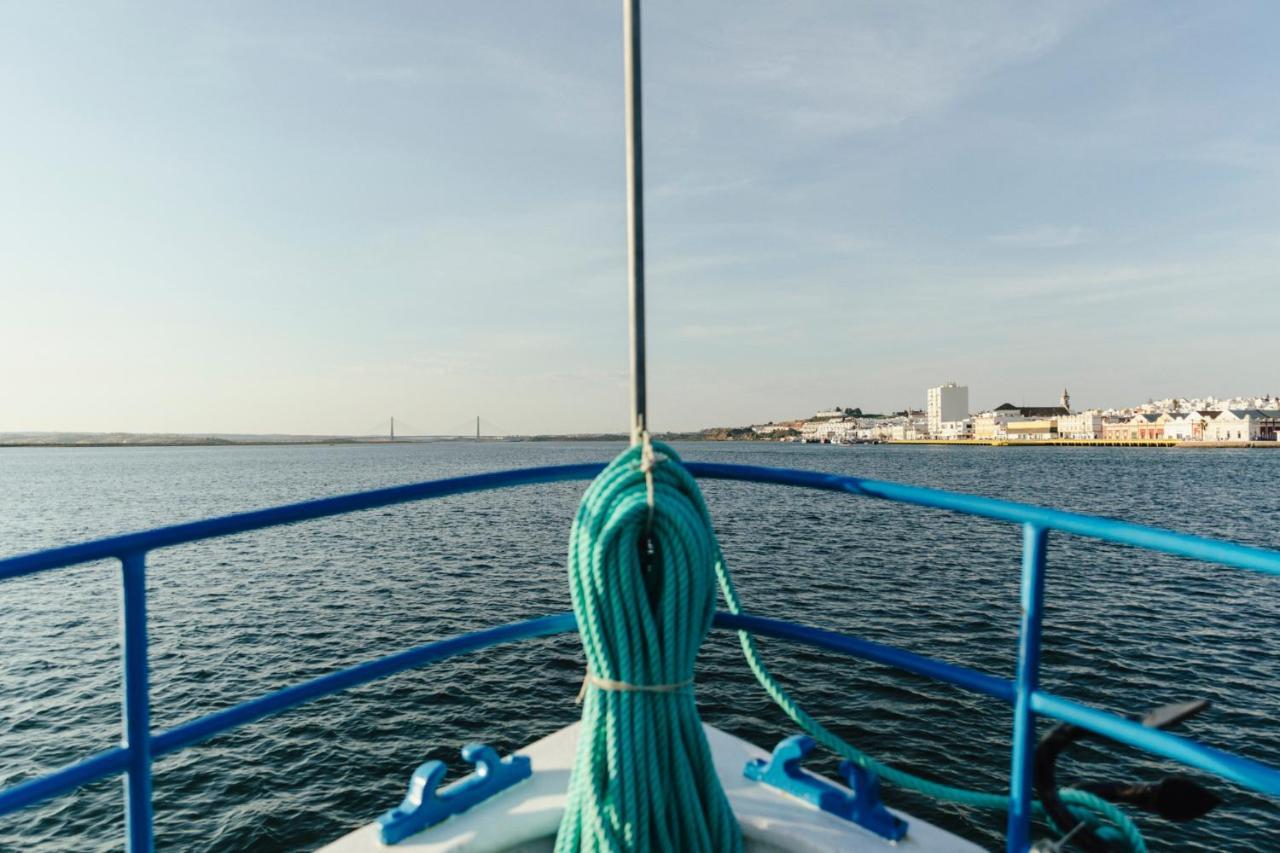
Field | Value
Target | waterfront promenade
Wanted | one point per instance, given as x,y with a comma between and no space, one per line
1086,442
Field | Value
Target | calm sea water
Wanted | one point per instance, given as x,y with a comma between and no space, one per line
233,618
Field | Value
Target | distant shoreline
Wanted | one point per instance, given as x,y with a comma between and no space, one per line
142,441
72,444
139,440
1084,442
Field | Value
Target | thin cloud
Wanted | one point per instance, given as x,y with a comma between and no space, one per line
692,188
822,75
1042,237
703,331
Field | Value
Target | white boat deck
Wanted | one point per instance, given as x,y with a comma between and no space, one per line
525,817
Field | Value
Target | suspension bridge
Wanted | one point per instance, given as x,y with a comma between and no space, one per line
397,429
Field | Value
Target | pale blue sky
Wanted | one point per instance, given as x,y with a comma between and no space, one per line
305,217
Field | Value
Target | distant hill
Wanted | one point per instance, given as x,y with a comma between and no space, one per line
117,439
165,439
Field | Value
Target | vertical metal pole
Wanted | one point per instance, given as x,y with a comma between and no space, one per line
1021,774
635,213
137,704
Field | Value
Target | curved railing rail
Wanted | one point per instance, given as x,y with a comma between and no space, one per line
140,746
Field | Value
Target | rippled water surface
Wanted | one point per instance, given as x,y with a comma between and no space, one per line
232,618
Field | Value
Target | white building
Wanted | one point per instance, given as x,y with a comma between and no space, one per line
1243,425
948,402
830,430
908,429
1080,425
877,429
991,426
1188,426
956,429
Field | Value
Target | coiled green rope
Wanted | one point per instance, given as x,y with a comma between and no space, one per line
643,776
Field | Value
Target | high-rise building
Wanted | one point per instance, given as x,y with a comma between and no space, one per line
948,402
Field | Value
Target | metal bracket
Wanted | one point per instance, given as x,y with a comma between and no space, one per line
424,806
862,806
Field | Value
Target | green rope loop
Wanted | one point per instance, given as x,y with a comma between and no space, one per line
643,777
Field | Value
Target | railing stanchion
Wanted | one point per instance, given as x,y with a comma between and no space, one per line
137,703
1021,774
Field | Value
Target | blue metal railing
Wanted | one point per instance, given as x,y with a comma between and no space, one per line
140,746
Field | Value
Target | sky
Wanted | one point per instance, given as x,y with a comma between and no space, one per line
309,217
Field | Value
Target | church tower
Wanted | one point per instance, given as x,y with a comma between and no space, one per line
1066,400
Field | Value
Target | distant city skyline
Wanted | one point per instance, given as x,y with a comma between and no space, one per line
303,220
947,419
